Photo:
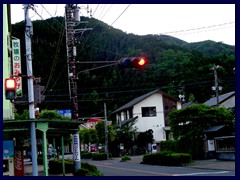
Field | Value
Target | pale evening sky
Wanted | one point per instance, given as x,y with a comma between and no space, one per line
189,22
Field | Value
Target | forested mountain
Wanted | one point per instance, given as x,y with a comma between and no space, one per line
174,65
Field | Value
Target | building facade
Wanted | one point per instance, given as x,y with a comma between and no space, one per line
150,112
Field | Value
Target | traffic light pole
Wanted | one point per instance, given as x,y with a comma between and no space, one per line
28,35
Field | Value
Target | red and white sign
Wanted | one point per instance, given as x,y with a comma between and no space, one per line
16,59
18,162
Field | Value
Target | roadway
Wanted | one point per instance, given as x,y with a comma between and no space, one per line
133,167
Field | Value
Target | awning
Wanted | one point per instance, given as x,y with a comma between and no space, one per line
214,129
167,128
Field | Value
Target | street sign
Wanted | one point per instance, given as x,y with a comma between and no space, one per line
65,113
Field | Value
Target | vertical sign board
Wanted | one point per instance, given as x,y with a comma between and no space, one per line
8,148
16,59
76,150
18,162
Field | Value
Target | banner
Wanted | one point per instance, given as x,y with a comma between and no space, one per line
16,62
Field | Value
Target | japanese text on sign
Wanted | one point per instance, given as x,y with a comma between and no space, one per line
16,60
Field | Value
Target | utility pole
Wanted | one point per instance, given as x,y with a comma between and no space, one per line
106,131
216,88
28,35
72,19
71,59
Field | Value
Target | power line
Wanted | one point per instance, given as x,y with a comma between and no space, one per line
200,28
120,14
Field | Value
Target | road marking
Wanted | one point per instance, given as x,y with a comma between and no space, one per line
135,170
190,174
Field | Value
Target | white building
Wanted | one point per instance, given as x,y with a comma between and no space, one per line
150,111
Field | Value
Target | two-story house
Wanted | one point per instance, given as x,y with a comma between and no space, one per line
150,112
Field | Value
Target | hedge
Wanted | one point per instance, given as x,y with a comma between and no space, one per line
167,158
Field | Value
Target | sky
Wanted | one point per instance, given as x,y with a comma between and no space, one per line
188,22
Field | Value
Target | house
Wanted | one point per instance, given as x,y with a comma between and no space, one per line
222,136
92,122
150,112
225,100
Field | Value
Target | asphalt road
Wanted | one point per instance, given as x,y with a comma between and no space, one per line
133,167
114,167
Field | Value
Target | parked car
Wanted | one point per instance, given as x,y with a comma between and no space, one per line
93,148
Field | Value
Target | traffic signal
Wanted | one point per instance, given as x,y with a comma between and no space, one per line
10,89
133,62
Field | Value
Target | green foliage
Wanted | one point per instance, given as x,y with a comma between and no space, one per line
169,145
23,116
167,158
99,156
88,136
188,125
125,135
100,128
191,121
170,59
50,114
55,166
88,170
144,138
86,155
125,158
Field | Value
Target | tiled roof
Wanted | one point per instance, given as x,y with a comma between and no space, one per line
139,99
222,98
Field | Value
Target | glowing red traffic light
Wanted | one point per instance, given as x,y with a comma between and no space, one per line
139,62
136,62
10,83
10,88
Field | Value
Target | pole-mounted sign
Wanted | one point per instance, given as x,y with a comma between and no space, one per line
16,65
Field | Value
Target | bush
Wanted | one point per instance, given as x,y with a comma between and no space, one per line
99,156
88,170
168,145
86,155
167,158
125,158
55,167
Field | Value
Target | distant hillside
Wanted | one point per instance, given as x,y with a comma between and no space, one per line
212,48
208,48
174,65
172,40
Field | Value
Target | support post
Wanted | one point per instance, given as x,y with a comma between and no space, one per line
28,35
106,131
76,152
63,159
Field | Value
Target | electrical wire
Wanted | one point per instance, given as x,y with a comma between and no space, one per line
120,14
206,28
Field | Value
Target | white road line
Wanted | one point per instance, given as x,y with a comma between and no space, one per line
190,174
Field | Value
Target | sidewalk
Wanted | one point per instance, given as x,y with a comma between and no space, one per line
201,164
214,164
28,171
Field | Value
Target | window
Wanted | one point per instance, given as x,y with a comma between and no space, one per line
149,111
